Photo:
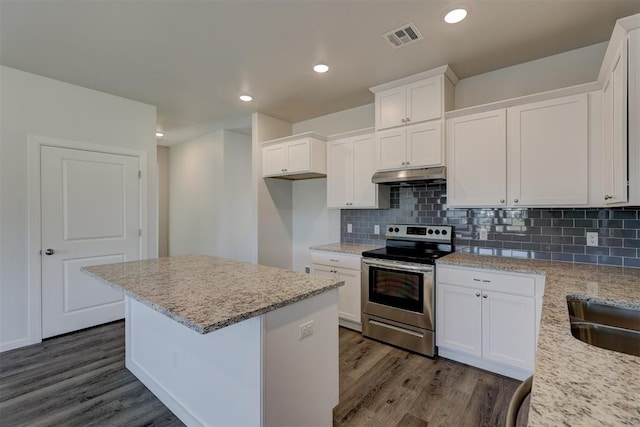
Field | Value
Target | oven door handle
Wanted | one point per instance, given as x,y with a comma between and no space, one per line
398,266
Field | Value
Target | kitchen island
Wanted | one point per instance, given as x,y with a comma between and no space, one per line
222,342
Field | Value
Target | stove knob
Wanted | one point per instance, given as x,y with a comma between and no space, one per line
437,231
397,230
390,229
444,232
430,231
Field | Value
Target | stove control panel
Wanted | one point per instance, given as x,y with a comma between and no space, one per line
433,233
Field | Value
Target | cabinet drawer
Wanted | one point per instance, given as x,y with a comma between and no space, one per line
516,284
336,259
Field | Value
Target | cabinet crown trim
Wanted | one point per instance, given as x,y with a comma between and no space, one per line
296,137
442,70
351,134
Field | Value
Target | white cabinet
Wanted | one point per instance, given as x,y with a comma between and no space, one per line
344,267
535,154
295,157
488,319
350,165
413,146
477,160
615,130
411,103
548,152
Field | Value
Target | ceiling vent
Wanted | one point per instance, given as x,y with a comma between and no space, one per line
403,36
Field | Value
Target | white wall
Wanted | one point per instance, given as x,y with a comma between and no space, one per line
35,105
273,212
210,182
163,201
553,72
342,121
313,223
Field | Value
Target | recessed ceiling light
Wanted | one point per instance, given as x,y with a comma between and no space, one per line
455,15
320,68
159,134
246,98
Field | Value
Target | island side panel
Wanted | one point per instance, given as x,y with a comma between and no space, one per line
301,374
211,379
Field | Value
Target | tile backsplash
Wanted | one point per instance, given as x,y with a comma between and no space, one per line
552,234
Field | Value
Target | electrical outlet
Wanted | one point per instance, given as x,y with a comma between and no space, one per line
376,229
349,228
306,329
592,238
483,234
307,269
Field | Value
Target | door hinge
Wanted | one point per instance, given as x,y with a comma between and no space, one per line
139,232
139,174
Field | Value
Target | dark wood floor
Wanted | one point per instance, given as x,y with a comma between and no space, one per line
79,379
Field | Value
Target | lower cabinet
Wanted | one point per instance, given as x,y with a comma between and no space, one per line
346,268
488,319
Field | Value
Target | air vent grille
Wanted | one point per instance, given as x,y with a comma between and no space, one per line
403,36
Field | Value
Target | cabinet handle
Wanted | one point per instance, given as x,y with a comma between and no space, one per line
407,163
408,119
515,200
476,280
486,281
404,120
477,294
501,200
607,197
334,260
484,295
403,163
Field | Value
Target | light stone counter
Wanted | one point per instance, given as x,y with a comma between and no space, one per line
575,384
206,293
345,248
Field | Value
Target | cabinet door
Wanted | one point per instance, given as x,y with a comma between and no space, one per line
424,100
391,149
339,173
548,153
349,295
424,144
274,160
364,166
508,329
298,156
324,271
390,108
477,160
615,133
458,317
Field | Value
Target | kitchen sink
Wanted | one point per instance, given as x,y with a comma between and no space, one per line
604,325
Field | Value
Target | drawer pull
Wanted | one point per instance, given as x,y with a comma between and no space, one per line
486,281
476,280
334,260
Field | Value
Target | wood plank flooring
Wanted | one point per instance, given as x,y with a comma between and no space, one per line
79,379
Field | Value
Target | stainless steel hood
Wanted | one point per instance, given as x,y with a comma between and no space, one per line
410,176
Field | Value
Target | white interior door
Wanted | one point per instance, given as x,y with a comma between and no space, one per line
90,213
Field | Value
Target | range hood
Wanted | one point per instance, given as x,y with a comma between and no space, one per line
410,176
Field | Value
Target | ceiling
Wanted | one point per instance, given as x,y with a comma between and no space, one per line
192,59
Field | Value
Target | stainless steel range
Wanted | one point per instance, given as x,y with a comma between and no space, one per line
398,286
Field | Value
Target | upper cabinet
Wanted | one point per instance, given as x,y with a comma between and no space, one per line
350,166
418,145
411,103
409,119
295,157
528,155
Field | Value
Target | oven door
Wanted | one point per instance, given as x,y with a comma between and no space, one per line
398,291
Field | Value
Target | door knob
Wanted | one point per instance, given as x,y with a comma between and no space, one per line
49,252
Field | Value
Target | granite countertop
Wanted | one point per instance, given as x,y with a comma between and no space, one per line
206,293
575,384
345,248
